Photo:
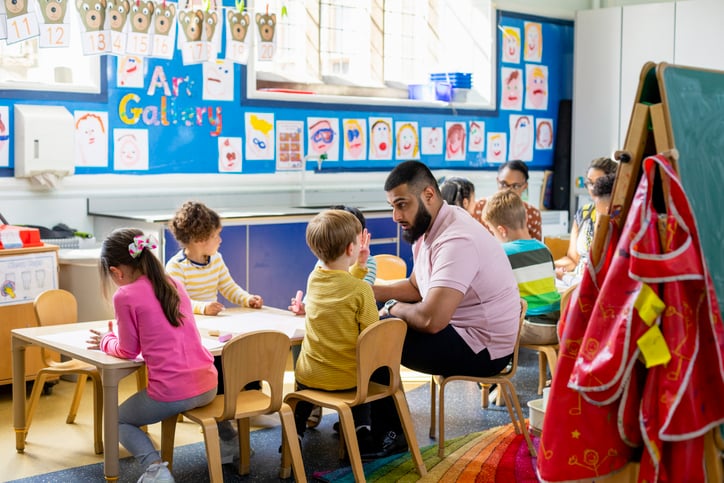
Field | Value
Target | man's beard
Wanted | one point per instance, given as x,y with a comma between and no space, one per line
419,225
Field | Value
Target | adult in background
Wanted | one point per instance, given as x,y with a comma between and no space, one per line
461,302
513,175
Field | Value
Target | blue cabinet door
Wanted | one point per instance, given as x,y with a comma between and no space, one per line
279,262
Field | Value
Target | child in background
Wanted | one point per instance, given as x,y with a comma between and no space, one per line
338,307
153,313
459,192
201,269
199,265
532,263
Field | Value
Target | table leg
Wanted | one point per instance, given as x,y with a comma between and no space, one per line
18,348
111,378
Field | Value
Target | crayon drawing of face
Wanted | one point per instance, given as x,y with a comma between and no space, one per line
218,80
521,139
511,45
91,140
128,151
130,71
321,137
496,147
353,138
259,138
4,135
407,144
477,134
455,147
537,89
512,95
230,154
533,41
432,137
544,134
381,139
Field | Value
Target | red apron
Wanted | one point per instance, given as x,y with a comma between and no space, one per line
620,404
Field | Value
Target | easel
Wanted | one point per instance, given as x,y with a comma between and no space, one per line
649,133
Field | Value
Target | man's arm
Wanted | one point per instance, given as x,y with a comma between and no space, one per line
403,290
432,314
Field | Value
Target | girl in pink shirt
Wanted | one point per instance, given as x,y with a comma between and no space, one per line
155,321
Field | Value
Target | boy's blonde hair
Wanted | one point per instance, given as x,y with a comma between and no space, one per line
505,208
330,232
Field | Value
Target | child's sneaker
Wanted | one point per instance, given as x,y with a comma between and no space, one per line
157,473
229,450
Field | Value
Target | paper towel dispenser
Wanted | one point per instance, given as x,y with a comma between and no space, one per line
44,141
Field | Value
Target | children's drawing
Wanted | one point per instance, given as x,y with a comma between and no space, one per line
497,147
533,41
544,133
54,23
164,29
408,142
511,94
116,23
192,39
455,144
212,32
536,89
431,140
237,28
290,145
323,134
129,71
95,37
229,155
130,149
521,138
476,140
140,35
218,80
20,20
380,138
259,135
266,24
355,139
91,138
511,44
4,136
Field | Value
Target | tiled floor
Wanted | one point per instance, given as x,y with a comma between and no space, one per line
53,445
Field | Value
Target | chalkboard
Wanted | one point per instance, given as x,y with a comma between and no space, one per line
693,101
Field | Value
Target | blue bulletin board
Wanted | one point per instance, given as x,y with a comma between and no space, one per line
162,116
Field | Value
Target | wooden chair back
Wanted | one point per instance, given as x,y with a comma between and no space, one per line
390,267
55,307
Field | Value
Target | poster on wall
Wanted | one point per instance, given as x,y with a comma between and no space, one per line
323,138
511,95
91,138
536,87
354,133
130,150
230,155
455,141
290,145
476,139
497,147
129,71
259,135
380,138
521,138
431,140
23,277
4,136
511,44
544,133
533,42
407,141
218,80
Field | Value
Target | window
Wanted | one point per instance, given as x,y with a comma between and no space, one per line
26,66
371,51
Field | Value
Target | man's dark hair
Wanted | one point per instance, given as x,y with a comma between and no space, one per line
413,173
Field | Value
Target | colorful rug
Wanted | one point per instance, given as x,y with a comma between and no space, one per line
494,455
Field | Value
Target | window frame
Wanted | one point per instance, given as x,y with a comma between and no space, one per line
357,97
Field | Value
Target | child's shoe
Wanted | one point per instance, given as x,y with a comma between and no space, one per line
229,450
157,473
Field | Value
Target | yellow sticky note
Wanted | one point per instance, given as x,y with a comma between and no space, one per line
653,347
649,305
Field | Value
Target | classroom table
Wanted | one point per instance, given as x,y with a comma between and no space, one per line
69,340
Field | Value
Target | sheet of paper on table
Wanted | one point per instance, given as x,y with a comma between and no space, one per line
241,323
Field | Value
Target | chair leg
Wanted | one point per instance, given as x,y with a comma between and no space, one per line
97,412
403,410
34,398
290,447
77,395
512,395
244,428
485,396
542,370
346,426
168,434
433,396
441,419
552,354
213,450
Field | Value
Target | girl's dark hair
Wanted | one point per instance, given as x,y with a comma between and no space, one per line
114,253
515,165
456,189
351,209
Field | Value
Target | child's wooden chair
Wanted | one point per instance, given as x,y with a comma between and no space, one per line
390,267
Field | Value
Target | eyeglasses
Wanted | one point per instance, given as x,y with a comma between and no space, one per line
513,186
325,135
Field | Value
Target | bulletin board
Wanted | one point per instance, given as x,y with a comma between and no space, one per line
170,116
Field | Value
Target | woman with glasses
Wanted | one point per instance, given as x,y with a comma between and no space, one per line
585,220
513,175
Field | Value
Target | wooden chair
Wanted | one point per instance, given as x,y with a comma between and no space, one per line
255,356
505,388
379,345
390,267
54,307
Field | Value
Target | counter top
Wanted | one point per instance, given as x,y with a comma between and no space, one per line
163,216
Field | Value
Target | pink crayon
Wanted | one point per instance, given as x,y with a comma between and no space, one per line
298,298
225,336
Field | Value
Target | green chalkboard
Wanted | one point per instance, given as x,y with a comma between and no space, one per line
694,102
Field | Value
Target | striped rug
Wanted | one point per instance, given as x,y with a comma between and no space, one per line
493,455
